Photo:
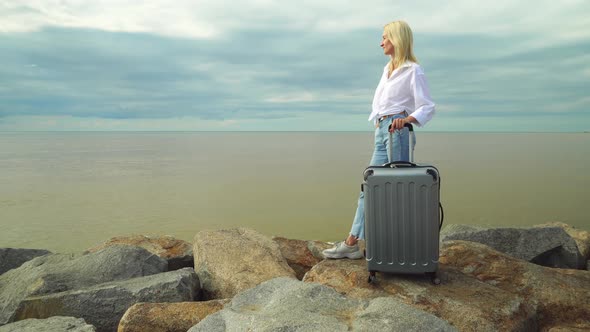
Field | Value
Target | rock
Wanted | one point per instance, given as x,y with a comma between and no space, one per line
465,302
300,254
52,324
561,296
581,237
167,317
232,260
177,252
11,258
286,304
571,327
482,289
54,273
103,305
547,246
389,314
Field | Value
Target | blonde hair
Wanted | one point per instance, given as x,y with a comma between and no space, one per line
400,35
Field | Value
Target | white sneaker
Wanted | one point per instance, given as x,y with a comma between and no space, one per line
342,250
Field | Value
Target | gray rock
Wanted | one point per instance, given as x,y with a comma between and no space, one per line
177,252
11,258
55,273
389,314
582,237
103,305
286,304
546,246
52,324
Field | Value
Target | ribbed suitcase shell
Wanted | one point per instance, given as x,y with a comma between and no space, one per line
402,218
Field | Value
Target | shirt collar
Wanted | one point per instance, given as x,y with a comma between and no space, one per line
403,65
406,64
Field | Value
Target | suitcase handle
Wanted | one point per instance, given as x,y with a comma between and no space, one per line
408,125
399,163
410,144
442,216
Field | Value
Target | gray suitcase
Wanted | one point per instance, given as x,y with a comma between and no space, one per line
403,217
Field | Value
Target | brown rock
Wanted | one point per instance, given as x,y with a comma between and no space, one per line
232,260
463,301
581,237
177,252
482,289
301,255
562,295
572,327
167,317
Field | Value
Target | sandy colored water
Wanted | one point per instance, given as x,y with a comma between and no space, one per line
69,191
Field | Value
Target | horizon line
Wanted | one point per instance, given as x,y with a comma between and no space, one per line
283,131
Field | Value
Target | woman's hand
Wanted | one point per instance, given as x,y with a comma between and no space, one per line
399,123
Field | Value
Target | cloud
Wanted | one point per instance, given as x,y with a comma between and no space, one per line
210,19
124,75
246,62
303,97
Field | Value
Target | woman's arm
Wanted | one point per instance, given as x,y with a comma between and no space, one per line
423,104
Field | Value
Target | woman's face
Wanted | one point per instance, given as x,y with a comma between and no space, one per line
386,45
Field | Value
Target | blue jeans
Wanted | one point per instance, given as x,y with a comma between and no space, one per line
380,156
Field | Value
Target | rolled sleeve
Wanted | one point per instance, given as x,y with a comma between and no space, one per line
423,105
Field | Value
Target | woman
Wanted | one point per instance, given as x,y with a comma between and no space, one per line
401,97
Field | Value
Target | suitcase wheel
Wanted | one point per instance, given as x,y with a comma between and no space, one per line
434,278
372,277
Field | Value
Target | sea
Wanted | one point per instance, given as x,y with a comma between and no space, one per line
69,191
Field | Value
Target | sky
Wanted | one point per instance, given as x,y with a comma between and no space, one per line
269,65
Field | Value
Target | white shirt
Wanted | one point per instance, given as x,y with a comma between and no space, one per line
406,90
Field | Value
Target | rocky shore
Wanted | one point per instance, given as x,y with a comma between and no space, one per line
493,279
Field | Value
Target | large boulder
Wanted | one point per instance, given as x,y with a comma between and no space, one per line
562,296
52,324
301,255
569,327
103,305
482,289
177,252
287,304
167,317
466,303
11,258
55,273
547,246
232,260
581,237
